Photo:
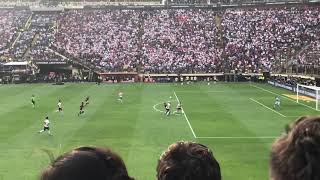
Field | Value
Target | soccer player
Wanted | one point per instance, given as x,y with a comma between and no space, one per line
277,103
87,100
46,127
59,106
179,107
81,109
165,105
168,106
120,96
33,102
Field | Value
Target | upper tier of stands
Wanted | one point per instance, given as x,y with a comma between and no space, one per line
11,22
165,40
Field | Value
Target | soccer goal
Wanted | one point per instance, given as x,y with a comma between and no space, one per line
308,95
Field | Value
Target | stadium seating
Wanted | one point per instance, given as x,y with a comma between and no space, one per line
41,49
11,22
310,55
258,38
109,40
170,40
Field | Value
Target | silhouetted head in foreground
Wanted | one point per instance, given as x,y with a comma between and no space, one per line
188,161
296,155
87,163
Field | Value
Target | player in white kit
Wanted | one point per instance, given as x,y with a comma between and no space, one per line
277,103
59,106
168,108
46,127
120,97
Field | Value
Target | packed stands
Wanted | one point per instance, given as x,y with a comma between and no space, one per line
169,40
181,41
23,43
11,22
256,39
310,55
45,24
108,40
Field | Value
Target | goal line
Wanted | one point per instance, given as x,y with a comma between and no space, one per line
263,89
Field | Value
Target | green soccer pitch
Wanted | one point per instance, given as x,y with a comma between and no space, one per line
236,120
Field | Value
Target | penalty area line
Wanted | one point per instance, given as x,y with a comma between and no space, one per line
185,116
263,89
267,107
238,137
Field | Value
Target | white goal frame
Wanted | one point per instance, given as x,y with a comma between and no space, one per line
315,95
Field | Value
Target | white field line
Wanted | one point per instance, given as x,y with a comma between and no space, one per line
219,137
294,116
158,110
204,92
267,107
238,137
282,96
184,113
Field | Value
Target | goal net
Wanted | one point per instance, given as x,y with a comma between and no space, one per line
308,96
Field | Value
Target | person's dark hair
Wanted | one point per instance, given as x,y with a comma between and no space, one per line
296,154
87,163
188,161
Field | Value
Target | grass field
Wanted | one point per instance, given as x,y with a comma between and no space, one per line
236,120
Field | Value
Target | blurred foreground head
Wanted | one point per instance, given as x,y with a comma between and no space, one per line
87,163
188,161
296,155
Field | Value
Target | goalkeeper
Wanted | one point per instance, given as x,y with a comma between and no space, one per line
277,103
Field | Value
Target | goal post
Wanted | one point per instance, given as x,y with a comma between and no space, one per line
308,95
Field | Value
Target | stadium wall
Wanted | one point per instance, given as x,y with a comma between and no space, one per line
120,77
309,93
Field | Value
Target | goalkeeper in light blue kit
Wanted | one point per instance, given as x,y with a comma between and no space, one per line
277,103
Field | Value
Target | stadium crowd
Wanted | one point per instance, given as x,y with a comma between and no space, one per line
108,40
293,81
172,40
180,41
310,55
45,26
11,22
258,38
294,156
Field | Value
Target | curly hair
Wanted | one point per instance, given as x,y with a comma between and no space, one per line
87,163
188,161
296,154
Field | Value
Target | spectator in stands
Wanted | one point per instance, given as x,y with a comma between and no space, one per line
296,154
11,21
87,163
258,39
188,161
167,40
